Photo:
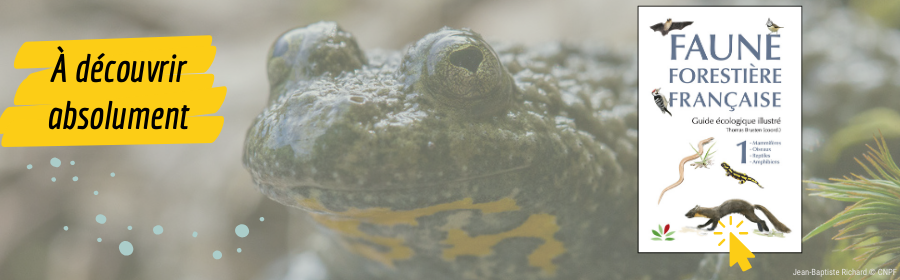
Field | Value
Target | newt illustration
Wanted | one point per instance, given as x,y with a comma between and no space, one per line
738,175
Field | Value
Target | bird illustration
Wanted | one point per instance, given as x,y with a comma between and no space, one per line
661,101
773,27
669,25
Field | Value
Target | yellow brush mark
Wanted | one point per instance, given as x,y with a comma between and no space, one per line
538,225
388,217
720,242
717,233
25,125
729,220
739,224
350,228
720,222
346,223
743,233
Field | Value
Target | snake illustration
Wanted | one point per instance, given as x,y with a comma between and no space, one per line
681,167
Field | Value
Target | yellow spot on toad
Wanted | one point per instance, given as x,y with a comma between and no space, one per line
346,223
538,225
350,229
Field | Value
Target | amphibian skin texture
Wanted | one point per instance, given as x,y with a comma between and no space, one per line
455,159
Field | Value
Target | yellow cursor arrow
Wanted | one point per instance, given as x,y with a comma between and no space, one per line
738,253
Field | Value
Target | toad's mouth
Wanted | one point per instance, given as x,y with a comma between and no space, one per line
409,185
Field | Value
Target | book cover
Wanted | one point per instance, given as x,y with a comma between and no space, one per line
719,98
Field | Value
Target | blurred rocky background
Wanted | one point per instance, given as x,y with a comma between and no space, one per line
851,82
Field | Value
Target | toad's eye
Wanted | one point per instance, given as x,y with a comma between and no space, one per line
463,72
312,51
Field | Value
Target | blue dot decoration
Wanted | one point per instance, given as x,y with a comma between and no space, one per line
126,248
242,230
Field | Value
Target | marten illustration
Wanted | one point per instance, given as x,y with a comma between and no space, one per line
736,206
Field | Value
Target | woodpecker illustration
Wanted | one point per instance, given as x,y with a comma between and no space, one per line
772,26
669,25
661,101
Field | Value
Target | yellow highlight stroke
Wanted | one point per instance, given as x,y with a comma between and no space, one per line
43,54
739,224
743,233
720,223
538,225
717,233
720,242
28,123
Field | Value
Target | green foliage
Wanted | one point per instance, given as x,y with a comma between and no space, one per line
705,159
886,121
661,232
876,204
845,259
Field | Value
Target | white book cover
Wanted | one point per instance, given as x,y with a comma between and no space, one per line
732,74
